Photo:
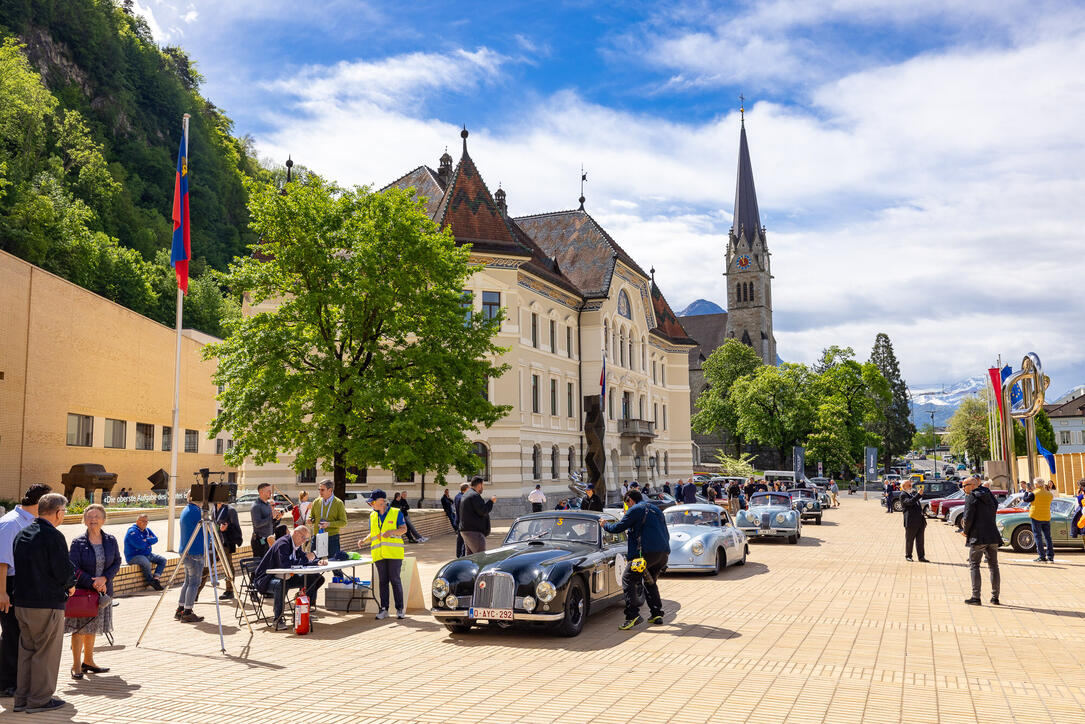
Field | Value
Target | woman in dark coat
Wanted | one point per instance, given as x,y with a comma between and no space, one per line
97,558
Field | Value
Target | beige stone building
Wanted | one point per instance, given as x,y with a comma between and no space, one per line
570,294
84,380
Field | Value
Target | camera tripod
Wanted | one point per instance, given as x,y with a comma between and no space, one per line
215,552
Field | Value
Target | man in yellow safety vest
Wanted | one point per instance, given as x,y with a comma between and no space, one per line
386,529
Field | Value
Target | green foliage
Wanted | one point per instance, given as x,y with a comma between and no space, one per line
925,438
851,397
968,429
357,353
715,408
895,429
775,406
734,466
77,506
1044,431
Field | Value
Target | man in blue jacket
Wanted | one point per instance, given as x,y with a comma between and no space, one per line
137,551
648,539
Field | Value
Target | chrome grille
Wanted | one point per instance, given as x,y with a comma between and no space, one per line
766,520
494,590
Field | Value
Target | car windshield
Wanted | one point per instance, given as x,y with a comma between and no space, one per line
1062,506
583,530
801,493
692,517
771,499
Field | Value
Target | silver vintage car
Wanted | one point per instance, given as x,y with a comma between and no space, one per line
703,538
770,515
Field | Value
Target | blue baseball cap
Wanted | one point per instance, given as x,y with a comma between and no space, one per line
376,495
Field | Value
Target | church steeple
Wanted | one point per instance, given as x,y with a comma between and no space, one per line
747,217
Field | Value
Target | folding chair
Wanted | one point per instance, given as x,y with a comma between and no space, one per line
248,593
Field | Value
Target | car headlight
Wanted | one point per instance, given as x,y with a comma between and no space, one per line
440,587
999,525
545,591
781,517
452,602
697,548
529,604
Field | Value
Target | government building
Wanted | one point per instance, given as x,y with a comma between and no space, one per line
570,295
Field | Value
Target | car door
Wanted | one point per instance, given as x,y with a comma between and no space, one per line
614,548
1060,520
730,536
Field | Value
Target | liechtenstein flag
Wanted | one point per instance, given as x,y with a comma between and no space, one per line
182,245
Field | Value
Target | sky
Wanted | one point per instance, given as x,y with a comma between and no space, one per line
918,163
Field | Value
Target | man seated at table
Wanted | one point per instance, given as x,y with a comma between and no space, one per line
287,552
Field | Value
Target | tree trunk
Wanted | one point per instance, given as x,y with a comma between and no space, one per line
339,472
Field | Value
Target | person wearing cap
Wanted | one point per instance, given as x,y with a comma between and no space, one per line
385,539
591,500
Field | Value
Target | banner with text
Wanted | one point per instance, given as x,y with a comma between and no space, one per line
871,457
799,463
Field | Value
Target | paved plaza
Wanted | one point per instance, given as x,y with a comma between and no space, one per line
838,628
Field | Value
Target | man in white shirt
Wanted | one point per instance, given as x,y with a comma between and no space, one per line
10,525
537,499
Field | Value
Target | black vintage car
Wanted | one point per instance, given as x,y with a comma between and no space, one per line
554,569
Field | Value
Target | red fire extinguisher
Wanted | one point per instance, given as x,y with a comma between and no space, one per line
301,613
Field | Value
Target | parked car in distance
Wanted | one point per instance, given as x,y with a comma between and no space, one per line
245,501
661,500
1016,528
703,538
1012,504
948,505
770,515
808,502
933,508
929,489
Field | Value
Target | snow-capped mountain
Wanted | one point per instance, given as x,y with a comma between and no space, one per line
942,399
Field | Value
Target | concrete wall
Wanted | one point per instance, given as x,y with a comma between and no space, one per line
67,350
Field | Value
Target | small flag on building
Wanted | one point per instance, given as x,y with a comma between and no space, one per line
181,250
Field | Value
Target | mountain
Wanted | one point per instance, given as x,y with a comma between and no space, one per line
701,306
942,399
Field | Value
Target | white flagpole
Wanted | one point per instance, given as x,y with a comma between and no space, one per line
177,439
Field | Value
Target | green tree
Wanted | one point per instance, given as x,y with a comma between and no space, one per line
850,397
895,428
357,351
735,466
715,409
775,406
968,429
830,440
1044,431
925,438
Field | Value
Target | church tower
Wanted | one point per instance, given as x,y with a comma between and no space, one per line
749,268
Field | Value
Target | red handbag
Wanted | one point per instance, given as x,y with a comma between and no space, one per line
82,604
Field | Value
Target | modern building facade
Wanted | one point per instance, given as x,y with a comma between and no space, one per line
570,295
1068,421
84,380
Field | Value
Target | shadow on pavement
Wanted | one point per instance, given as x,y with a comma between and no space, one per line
111,687
731,573
1050,611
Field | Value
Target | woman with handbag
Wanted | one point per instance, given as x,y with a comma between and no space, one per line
97,558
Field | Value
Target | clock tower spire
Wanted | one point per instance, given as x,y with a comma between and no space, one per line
749,268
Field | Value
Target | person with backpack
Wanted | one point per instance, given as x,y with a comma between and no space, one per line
648,549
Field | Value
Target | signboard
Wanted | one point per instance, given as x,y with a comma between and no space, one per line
799,463
871,463
821,474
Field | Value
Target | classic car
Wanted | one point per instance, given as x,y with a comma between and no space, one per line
931,489
661,500
808,502
1012,504
1016,528
770,515
703,538
245,501
553,570
948,505
933,508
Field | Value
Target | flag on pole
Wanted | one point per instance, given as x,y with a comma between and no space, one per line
181,251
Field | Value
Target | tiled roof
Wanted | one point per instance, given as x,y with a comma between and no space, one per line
709,330
1071,408
667,324
747,215
541,265
424,180
583,249
469,210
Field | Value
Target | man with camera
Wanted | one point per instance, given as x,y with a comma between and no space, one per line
915,523
264,519
287,552
648,549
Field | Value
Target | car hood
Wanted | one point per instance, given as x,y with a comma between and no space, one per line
520,556
773,509
682,534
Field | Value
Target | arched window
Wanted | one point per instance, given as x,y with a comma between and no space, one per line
536,462
555,458
753,297
623,305
632,357
666,464
621,348
606,336
643,354
572,459
640,408
483,452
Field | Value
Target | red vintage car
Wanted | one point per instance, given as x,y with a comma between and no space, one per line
933,508
948,504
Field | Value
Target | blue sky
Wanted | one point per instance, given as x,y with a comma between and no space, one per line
918,164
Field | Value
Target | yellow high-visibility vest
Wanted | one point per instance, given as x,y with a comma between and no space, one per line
383,543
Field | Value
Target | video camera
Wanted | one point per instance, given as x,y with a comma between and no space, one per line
207,492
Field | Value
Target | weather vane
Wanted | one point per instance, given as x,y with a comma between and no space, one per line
583,178
742,108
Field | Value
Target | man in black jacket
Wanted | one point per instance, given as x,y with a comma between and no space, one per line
286,552
45,578
915,523
591,500
981,535
474,517
232,538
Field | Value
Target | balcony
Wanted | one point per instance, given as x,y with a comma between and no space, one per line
631,427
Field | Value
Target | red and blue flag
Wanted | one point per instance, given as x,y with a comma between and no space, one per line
181,250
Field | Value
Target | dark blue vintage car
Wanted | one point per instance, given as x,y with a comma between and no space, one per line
552,571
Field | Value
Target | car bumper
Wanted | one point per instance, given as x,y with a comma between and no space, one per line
768,532
516,616
687,566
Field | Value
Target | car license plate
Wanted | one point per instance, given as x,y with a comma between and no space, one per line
495,614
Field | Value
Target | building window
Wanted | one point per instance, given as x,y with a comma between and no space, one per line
535,394
229,444
404,476
536,463
643,354
654,372
308,475
553,336
1064,437
534,330
623,305
606,336
663,375
664,417
80,430
621,348
144,436
467,304
655,411
192,441
627,405
485,392
569,341
569,397
554,397
554,464
640,408
666,464
167,438
610,404
572,459
115,431
218,445
491,304
483,453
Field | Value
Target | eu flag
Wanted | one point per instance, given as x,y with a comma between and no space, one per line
181,250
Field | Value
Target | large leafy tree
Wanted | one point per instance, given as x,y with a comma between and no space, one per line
775,406
1044,431
925,438
895,428
357,351
715,406
850,397
967,429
